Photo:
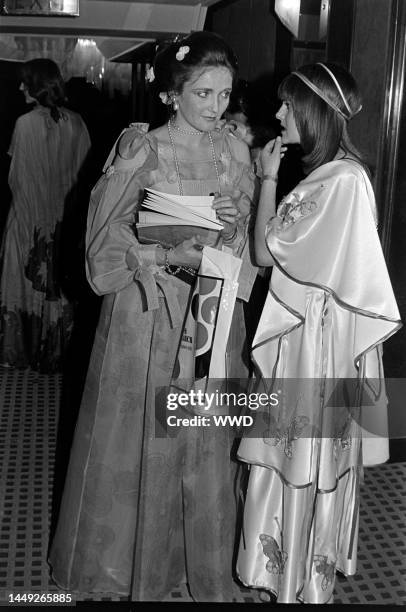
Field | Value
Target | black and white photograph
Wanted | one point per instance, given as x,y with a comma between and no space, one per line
202,303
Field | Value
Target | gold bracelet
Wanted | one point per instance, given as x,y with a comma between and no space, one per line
269,177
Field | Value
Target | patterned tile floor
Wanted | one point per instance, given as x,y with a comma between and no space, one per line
28,424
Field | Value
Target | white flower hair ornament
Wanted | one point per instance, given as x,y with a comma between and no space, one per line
150,75
164,97
182,52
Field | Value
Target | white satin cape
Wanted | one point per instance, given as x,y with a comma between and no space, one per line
329,308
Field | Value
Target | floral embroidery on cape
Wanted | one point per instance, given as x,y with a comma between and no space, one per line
296,207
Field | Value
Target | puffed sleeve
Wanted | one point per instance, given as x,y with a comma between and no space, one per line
113,253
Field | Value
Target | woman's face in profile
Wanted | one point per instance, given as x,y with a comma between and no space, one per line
29,99
204,98
285,115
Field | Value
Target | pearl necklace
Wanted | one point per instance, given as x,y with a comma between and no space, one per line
182,131
175,157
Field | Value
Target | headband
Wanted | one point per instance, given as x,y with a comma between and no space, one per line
324,97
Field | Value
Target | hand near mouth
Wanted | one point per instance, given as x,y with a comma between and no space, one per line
271,156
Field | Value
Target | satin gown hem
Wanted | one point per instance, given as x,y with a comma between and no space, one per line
266,588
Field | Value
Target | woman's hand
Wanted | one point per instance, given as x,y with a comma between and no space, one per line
271,156
187,253
227,211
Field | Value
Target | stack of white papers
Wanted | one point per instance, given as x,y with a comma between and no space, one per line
179,210
169,219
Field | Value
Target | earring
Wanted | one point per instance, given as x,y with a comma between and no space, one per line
175,104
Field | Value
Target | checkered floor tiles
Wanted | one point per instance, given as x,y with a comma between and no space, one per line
28,422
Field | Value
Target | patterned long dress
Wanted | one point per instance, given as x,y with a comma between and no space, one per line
329,308
35,316
140,514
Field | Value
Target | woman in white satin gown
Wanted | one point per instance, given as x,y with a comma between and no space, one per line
329,308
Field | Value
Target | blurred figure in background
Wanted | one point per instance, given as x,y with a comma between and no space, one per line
237,112
247,117
48,147
12,105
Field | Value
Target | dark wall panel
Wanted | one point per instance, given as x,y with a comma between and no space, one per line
395,348
369,66
239,33
263,38
341,24
249,26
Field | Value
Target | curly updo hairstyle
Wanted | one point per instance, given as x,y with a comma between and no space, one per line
44,83
322,130
206,50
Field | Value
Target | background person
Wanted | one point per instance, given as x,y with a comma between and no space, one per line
48,148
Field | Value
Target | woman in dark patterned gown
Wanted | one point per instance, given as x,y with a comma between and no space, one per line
48,148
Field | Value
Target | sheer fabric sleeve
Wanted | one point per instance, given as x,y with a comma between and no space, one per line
113,253
19,151
14,139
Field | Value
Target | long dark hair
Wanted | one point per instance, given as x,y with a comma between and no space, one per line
44,83
322,130
206,49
